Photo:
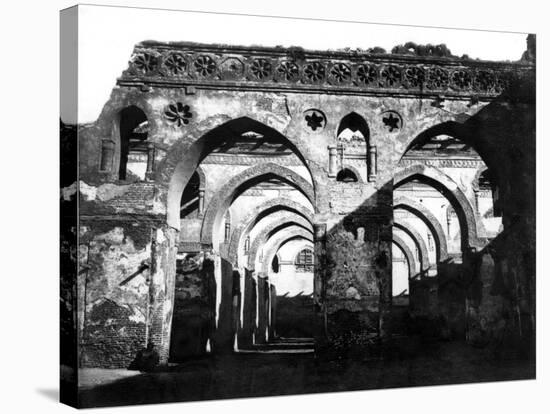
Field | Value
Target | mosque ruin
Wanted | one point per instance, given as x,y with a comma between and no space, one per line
241,199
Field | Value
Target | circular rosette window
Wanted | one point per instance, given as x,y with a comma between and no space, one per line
339,74
484,81
391,121
175,64
461,80
366,75
314,72
178,114
260,70
287,71
438,79
145,63
204,66
314,120
414,77
390,77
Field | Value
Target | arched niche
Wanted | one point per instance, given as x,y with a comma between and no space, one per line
348,175
353,141
128,155
353,131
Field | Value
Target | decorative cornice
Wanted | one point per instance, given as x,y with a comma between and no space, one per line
230,159
443,162
298,70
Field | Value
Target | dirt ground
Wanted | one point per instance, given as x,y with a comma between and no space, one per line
269,374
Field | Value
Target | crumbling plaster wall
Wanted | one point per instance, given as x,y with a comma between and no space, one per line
344,207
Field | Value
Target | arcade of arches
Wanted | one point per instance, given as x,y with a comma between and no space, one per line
243,199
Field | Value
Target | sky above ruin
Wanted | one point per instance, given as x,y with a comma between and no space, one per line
107,36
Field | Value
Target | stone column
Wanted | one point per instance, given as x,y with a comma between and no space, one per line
341,150
150,160
372,167
225,335
248,327
162,289
263,309
383,268
107,155
272,312
332,167
319,278
319,234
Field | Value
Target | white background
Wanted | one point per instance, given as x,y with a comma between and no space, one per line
107,36
29,170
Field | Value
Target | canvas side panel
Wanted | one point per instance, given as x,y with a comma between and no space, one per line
68,206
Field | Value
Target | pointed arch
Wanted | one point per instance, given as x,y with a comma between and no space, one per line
355,123
257,213
232,188
184,156
129,135
349,171
271,230
276,243
465,132
418,241
401,245
470,225
430,220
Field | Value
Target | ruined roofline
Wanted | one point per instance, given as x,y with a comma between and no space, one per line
274,69
297,52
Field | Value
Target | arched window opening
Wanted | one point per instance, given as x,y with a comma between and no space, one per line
275,264
135,152
353,128
346,176
190,198
353,142
304,261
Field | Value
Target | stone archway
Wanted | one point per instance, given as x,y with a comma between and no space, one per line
418,241
283,238
400,243
273,227
222,200
186,154
431,222
260,211
471,227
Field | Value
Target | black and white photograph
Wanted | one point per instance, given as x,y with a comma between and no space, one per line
256,220
280,204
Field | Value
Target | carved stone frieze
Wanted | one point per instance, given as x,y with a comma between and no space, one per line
443,162
351,72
